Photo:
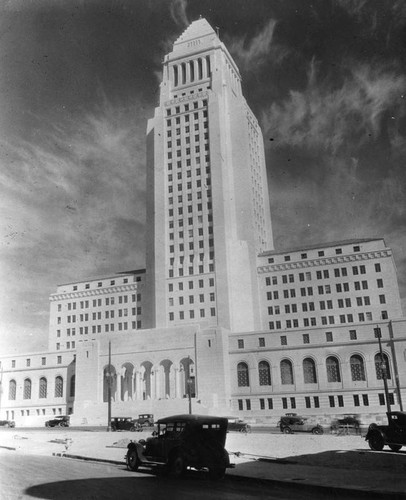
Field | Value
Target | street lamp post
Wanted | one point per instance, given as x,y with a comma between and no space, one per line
377,331
109,377
189,387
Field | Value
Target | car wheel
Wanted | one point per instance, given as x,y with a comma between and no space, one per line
287,430
217,473
132,460
61,424
132,429
395,447
317,430
177,466
376,441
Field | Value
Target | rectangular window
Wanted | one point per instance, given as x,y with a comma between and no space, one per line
316,401
331,401
248,404
365,399
329,336
307,401
240,344
261,342
270,404
293,403
240,405
284,340
285,403
356,399
353,335
306,338
340,400
262,404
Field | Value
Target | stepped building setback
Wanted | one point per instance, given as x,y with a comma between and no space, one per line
217,315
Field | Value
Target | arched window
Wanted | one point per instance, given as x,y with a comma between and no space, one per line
264,373
175,76
286,372
27,389
309,371
208,67
357,368
58,387
72,386
200,69
43,386
183,73
12,390
242,375
333,369
192,71
381,365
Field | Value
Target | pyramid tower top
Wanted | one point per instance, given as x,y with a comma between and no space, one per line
197,29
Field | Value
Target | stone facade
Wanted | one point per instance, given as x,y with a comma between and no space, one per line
218,320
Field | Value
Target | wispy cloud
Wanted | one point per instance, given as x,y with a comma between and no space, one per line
251,53
74,198
178,12
334,118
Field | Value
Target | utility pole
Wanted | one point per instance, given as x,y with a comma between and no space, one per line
109,376
377,331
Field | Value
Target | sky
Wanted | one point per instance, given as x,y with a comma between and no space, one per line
79,80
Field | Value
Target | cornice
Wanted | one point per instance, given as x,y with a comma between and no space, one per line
189,97
325,261
93,293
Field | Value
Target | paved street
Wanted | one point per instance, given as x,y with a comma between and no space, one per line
32,476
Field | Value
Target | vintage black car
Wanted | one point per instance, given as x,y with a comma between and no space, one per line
146,419
59,421
294,423
7,423
183,441
393,434
236,424
125,424
346,423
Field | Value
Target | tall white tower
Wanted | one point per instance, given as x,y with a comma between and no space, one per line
208,211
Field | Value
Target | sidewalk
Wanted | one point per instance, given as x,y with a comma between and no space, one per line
341,463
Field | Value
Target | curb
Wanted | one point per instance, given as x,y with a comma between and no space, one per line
379,494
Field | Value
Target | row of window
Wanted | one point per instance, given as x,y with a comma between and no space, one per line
202,313
191,284
42,389
323,304
10,414
192,299
320,253
321,290
84,304
313,402
43,361
108,327
333,370
326,320
324,274
124,281
305,339
71,318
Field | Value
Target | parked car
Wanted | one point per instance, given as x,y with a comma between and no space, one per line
183,441
125,424
59,421
393,434
7,423
346,423
236,424
295,423
146,419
